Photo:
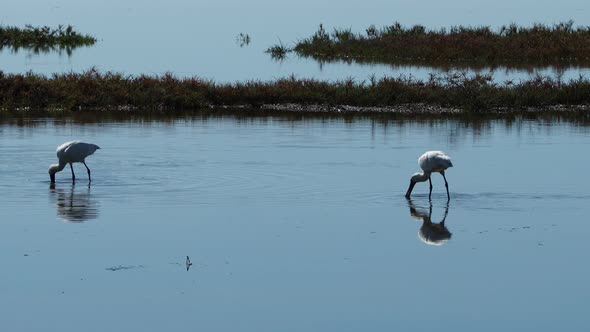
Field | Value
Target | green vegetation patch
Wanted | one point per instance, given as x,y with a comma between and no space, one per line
43,38
537,45
95,90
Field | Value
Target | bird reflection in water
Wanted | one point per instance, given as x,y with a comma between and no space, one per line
430,233
74,204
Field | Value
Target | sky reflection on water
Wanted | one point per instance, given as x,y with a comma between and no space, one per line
295,223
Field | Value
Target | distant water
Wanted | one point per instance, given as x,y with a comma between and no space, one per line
296,225
196,38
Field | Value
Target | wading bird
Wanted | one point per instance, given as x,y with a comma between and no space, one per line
430,162
69,153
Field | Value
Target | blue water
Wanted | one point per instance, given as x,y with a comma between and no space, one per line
196,38
294,225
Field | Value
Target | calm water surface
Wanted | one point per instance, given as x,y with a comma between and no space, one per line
191,38
295,226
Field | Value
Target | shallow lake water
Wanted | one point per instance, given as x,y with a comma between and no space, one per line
295,225
198,38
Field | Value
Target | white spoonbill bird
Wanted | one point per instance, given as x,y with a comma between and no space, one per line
430,162
72,152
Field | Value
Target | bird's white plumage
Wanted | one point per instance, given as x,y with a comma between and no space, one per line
75,151
434,161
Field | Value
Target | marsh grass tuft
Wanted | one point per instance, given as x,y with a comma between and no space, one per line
278,51
560,44
113,91
43,39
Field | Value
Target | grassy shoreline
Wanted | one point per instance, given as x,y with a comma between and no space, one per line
512,45
93,90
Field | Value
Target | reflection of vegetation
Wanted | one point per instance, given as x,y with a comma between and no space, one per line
43,39
456,129
243,39
561,44
440,66
95,90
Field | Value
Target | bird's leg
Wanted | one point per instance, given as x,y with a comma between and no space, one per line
446,185
88,169
446,213
411,205
430,193
73,175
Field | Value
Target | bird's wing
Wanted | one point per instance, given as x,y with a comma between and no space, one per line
443,159
61,150
78,151
433,160
64,146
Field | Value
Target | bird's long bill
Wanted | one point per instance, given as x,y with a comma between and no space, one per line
410,188
52,177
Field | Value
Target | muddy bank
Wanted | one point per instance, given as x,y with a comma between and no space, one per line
416,109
